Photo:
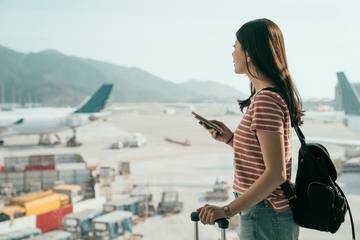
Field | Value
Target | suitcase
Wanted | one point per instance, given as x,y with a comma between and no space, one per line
222,223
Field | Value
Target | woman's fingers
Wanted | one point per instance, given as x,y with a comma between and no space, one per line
215,121
209,216
202,214
206,127
220,124
213,133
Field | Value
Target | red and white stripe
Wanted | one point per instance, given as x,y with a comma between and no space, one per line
267,111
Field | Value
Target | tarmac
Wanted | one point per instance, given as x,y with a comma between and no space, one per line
190,170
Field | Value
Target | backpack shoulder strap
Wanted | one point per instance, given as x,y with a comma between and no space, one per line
350,215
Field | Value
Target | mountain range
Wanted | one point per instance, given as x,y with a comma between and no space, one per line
52,78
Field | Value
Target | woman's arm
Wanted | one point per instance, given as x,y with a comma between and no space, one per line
272,148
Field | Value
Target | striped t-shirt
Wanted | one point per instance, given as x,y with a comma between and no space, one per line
267,111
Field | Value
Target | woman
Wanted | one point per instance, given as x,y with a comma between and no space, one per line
262,141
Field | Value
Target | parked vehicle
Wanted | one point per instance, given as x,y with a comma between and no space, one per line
219,192
112,225
133,140
123,168
128,204
170,203
146,208
136,140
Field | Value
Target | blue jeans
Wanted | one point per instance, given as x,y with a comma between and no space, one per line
261,222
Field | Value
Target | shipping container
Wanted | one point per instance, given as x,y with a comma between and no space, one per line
112,225
40,174
41,160
15,176
53,219
30,196
3,176
94,203
15,163
74,192
26,233
68,158
40,167
14,211
18,224
55,235
32,186
79,224
42,205
70,166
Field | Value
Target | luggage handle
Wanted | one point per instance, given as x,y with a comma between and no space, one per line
223,223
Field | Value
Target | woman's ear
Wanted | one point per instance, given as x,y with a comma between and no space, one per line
248,59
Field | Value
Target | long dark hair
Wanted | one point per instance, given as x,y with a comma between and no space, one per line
263,42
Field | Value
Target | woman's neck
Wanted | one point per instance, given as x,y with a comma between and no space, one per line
260,83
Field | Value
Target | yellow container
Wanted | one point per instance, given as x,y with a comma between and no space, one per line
30,197
14,211
68,187
64,199
42,205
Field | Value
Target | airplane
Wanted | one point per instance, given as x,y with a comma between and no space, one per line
351,103
46,121
350,118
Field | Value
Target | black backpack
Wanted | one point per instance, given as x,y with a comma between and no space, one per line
317,202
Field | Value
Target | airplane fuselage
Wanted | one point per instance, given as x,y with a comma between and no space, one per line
29,121
41,123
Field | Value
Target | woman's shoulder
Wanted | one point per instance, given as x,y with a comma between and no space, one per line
270,97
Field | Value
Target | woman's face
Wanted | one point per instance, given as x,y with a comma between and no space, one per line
239,58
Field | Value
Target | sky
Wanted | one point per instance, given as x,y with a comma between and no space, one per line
190,39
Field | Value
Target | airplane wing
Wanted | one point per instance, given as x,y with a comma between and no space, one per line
327,117
336,141
17,122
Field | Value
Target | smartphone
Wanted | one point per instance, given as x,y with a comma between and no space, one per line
207,123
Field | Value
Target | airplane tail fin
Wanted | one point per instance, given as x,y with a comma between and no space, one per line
349,97
97,101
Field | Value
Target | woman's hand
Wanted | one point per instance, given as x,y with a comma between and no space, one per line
222,138
209,213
